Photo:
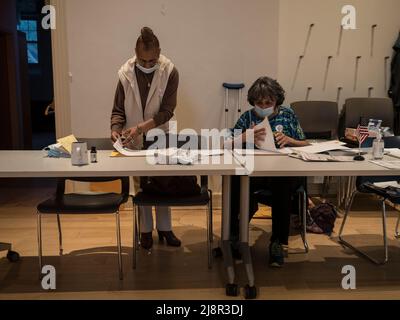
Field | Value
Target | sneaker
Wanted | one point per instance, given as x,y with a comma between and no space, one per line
276,255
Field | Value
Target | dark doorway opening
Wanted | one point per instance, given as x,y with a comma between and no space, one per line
40,70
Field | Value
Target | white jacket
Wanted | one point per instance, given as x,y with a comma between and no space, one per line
133,105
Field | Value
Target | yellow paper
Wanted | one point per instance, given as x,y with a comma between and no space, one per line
116,154
67,142
263,212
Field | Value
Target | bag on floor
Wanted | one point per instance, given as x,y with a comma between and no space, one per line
322,219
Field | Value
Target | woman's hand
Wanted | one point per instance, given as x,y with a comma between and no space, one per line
115,135
259,135
283,140
129,135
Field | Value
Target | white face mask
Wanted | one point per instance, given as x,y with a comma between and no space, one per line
263,113
146,70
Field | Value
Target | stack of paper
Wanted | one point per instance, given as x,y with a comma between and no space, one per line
269,143
67,142
394,184
189,155
393,152
311,157
322,147
387,164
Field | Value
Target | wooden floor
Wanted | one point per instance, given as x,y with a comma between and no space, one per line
88,269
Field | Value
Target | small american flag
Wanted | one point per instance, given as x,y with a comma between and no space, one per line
362,133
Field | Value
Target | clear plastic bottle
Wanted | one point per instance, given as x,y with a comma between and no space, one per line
378,147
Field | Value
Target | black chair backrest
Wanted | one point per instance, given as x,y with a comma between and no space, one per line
100,144
124,183
362,180
369,108
319,119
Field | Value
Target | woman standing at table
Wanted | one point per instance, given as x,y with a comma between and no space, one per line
145,99
267,96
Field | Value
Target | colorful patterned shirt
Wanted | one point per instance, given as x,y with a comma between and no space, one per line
285,120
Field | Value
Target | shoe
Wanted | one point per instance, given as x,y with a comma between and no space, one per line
276,255
172,240
146,240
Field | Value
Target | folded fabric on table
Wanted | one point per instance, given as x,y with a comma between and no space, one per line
57,151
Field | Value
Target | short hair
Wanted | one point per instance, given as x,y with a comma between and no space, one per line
266,88
148,39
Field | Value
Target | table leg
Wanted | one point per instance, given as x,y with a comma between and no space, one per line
250,289
231,287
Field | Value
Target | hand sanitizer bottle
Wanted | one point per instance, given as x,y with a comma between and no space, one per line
378,147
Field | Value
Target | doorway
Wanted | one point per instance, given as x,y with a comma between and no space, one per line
40,71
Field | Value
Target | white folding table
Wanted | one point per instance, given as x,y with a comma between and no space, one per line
34,164
285,166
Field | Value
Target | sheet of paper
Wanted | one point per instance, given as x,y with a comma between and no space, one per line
387,164
67,142
256,152
131,153
208,153
393,152
312,157
269,143
322,147
386,184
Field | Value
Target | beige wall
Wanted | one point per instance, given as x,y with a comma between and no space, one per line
295,18
210,41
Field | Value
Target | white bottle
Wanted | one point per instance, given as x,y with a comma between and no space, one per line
378,147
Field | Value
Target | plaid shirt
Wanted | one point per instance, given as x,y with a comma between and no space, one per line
286,118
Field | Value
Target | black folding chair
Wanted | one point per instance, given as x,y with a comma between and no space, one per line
366,185
264,197
204,198
78,203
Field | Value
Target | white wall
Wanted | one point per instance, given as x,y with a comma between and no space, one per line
295,18
210,41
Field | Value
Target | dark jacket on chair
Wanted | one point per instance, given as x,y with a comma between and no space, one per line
394,91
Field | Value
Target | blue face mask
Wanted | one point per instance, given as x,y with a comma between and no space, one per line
263,113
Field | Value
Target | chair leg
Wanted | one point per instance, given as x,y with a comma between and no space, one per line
60,235
348,245
350,189
304,224
135,237
39,239
397,234
384,229
339,192
118,226
346,213
209,231
138,225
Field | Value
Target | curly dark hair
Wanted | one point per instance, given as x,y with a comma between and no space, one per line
148,39
266,88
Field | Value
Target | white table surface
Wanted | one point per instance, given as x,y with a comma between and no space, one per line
284,166
32,164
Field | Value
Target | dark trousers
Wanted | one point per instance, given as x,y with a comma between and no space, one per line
283,201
